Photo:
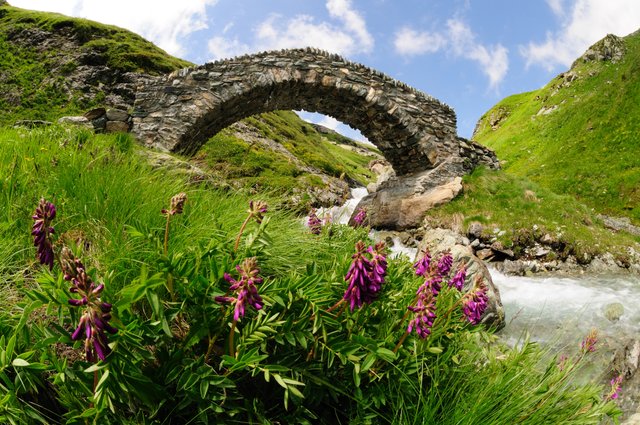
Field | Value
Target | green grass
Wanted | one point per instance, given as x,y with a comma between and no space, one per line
295,363
245,164
588,146
515,205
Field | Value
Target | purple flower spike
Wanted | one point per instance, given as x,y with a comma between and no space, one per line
424,316
444,264
458,280
314,223
588,344
474,303
246,292
95,318
422,265
42,231
614,392
360,217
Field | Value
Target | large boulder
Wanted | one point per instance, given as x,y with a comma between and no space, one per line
440,240
401,201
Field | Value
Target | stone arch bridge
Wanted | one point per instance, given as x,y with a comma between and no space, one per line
179,112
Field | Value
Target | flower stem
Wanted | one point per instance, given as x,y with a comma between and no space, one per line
232,350
336,305
235,246
399,344
166,235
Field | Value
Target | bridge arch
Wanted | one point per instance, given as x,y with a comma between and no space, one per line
179,112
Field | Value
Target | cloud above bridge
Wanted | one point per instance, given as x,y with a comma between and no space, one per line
346,33
165,22
456,39
583,22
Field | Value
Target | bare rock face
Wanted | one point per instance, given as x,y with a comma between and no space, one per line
610,48
440,240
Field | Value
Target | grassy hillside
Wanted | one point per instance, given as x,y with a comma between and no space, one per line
577,135
41,53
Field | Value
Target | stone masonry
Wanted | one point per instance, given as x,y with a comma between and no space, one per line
415,132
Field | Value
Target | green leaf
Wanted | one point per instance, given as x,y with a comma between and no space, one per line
280,381
20,363
435,350
385,354
369,360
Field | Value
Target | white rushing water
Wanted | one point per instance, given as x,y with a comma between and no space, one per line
341,214
559,310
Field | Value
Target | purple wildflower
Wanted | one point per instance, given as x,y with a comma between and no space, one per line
378,264
360,217
614,392
474,303
444,264
42,231
177,204
588,344
425,314
314,223
246,292
457,281
358,276
257,210
422,265
425,307
94,321
433,285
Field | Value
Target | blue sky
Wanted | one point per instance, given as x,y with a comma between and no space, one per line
467,53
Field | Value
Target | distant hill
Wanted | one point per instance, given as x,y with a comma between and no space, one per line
580,134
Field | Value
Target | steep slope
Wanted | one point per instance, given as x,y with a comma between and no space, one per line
579,134
51,65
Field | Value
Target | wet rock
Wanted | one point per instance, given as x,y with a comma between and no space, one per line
613,311
485,254
475,230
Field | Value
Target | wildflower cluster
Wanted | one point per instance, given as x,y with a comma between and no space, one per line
474,303
245,290
365,275
94,321
424,308
360,217
256,211
614,392
42,231
588,344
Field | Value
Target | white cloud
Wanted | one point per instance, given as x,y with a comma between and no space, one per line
409,42
329,122
494,60
302,31
164,22
557,7
586,21
345,34
354,23
221,47
461,42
